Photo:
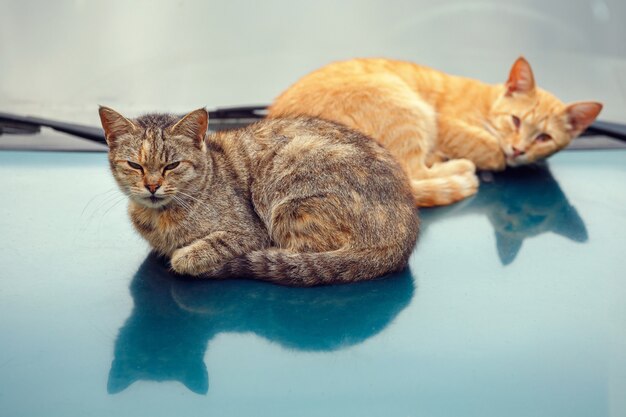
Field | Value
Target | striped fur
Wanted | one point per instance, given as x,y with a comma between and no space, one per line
316,268
431,121
297,201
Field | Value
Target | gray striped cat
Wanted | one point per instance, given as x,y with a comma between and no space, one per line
292,201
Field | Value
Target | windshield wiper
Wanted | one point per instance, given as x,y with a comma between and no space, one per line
10,123
610,129
241,112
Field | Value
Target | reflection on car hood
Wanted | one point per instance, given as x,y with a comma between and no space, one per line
512,297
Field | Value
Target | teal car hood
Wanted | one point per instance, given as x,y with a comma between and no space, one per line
512,305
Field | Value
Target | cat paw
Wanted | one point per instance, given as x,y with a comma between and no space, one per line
192,259
443,191
468,182
494,162
452,167
464,166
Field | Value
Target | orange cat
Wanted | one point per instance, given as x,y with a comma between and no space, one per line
440,127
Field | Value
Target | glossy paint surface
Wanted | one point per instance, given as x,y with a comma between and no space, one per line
513,305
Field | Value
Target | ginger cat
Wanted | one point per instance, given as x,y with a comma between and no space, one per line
293,201
440,127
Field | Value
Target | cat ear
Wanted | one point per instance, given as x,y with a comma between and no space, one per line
508,247
580,115
119,380
194,125
197,379
571,225
114,124
521,79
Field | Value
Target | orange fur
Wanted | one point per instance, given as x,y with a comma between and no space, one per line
440,127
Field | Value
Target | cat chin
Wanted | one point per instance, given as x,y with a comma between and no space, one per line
147,202
516,162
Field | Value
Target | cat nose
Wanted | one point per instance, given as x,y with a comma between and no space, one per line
517,152
152,187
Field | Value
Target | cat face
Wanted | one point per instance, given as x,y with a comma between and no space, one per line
156,158
532,124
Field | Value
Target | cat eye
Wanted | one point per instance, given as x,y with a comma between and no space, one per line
135,165
543,137
171,166
516,121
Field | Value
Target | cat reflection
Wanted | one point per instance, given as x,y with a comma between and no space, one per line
166,336
520,203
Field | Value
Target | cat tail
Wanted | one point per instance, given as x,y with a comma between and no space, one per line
444,190
308,269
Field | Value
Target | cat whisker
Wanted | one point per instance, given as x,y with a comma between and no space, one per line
111,207
106,193
197,201
193,198
105,203
104,207
182,203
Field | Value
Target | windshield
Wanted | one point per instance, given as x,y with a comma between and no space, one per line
59,60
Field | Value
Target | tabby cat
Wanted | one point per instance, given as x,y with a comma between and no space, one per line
297,202
440,127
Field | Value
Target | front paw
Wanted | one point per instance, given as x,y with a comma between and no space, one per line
493,162
193,259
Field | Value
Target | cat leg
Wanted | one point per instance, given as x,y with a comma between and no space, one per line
208,254
451,167
408,129
459,139
309,225
442,191
412,143
454,180
415,146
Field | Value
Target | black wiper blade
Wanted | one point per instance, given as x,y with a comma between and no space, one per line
242,112
28,124
11,121
613,130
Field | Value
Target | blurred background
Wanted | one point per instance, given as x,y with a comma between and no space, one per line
60,59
